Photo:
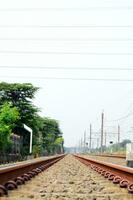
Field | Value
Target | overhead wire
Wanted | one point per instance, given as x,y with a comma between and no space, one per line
64,26
69,78
70,68
66,53
71,39
68,8
122,118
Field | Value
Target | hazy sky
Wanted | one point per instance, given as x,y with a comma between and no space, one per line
72,34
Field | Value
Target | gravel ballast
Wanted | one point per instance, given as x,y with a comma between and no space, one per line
69,180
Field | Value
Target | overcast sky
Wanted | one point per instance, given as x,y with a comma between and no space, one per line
72,34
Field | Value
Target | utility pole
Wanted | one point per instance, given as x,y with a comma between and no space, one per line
118,134
84,140
90,138
102,131
105,138
97,142
81,145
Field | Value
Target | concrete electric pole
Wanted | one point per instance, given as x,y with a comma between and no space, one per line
90,137
102,131
118,134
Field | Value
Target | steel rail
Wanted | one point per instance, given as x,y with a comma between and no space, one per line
116,173
12,176
111,155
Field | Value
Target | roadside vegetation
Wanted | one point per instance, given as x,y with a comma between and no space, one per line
116,148
17,109
119,148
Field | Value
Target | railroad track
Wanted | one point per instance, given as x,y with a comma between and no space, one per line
117,174
71,179
112,155
111,159
14,175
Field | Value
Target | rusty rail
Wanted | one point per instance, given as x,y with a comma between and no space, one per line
12,176
111,155
116,173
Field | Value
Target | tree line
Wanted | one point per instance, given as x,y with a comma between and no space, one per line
17,109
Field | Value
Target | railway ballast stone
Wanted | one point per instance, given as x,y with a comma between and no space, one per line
69,180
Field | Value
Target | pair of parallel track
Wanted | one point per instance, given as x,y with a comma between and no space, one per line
12,176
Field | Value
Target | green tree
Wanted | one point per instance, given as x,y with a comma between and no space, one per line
59,144
46,131
36,150
50,134
20,95
8,118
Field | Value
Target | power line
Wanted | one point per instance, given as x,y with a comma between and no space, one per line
65,26
65,53
69,78
71,39
68,9
70,68
122,118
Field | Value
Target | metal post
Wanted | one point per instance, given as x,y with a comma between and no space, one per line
118,134
102,121
105,137
31,135
84,140
90,138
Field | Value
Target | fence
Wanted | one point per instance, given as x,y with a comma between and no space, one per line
9,158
